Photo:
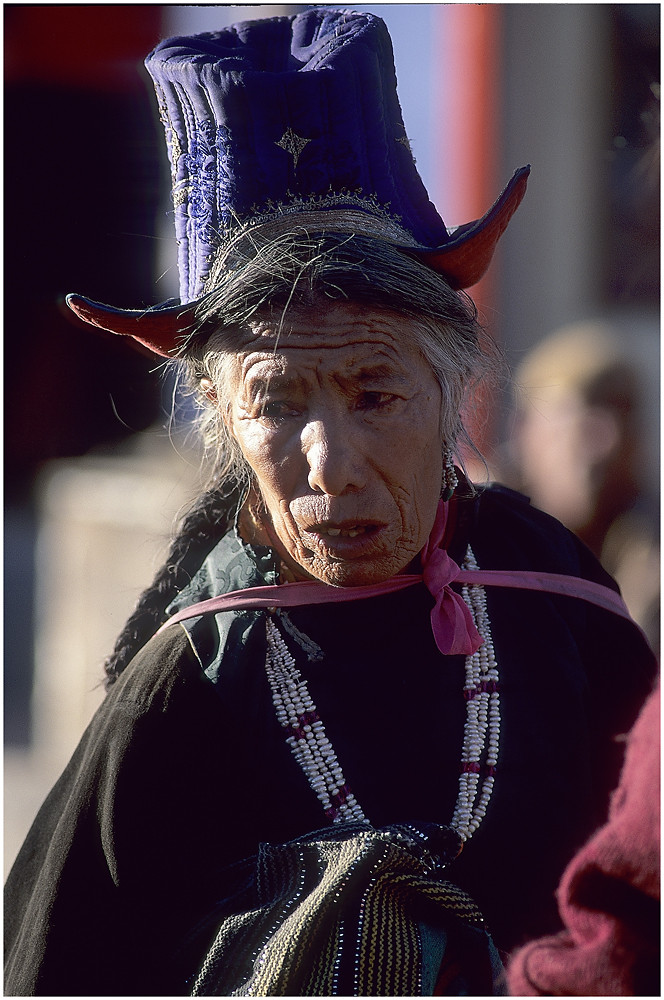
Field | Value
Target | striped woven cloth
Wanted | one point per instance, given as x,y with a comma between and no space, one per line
353,911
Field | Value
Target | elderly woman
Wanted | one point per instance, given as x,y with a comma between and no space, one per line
367,669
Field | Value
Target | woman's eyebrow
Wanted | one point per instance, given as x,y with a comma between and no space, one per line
279,381
379,372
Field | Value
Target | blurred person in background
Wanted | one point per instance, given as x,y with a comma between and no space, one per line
580,448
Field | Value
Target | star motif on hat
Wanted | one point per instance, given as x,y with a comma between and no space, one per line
293,144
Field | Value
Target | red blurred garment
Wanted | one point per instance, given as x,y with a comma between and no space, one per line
609,895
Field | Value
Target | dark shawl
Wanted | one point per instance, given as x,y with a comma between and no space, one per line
184,769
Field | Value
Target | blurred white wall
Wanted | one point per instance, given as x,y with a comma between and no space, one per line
104,526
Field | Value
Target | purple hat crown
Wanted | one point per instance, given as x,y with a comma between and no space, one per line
284,124
286,116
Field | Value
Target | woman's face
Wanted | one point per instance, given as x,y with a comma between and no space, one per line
340,420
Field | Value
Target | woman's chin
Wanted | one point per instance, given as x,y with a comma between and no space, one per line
347,558
353,573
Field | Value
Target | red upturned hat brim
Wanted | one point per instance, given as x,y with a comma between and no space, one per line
463,262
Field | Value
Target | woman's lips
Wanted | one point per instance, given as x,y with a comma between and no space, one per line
347,540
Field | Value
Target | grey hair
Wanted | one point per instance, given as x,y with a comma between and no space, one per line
264,280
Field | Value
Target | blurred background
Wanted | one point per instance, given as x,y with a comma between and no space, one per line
95,472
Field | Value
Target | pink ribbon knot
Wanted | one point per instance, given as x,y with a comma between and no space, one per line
451,621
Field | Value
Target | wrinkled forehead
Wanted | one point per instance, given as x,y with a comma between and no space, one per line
332,325
343,337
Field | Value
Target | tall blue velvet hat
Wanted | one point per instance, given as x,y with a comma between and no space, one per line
291,122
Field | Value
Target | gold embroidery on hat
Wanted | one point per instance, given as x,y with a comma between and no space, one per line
176,148
404,140
293,144
375,214
342,211
172,138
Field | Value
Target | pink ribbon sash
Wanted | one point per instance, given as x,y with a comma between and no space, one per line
451,621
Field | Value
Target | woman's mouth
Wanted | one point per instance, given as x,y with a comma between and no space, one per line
347,540
344,532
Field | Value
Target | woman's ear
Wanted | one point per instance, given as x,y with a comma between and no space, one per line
208,388
223,406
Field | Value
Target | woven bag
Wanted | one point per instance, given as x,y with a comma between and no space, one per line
348,911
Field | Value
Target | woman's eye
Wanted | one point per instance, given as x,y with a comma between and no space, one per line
277,409
375,400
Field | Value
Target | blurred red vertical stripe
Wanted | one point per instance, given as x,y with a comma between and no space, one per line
467,80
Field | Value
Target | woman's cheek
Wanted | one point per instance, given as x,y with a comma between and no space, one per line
273,461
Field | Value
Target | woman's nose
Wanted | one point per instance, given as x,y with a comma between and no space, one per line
335,461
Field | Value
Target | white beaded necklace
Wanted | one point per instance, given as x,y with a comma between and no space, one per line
481,731
311,748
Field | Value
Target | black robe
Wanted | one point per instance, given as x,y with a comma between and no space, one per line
184,768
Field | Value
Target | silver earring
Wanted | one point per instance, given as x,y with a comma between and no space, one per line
450,478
